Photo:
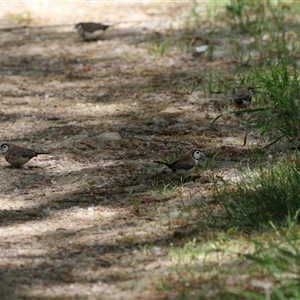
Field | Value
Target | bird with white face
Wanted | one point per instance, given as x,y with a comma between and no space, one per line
243,97
186,164
18,156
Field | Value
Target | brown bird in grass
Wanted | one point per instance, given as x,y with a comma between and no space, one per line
18,156
91,31
186,164
243,97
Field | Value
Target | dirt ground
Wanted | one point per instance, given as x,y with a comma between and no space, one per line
91,220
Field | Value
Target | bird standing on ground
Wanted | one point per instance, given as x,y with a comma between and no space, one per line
186,164
243,97
91,31
18,156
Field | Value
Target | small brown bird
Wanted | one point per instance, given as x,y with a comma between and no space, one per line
90,31
18,156
186,164
243,97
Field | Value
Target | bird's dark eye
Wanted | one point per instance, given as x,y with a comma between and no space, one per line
5,148
197,154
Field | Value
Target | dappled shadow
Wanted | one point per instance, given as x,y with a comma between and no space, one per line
78,260
105,111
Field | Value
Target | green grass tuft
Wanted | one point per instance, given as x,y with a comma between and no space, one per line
264,196
278,115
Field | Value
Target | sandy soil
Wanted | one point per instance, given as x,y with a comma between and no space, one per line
91,220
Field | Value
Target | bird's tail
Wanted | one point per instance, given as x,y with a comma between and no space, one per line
39,153
161,162
112,25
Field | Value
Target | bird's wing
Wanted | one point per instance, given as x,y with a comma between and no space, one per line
181,165
27,153
96,26
241,97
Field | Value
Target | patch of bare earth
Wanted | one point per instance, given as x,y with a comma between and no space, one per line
89,221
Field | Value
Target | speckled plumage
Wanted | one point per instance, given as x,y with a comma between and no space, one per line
186,164
18,156
243,97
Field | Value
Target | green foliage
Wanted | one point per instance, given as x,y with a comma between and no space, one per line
253,16
193,19
275,109
213,84
278,90
281,259
268,194
240,12
267,34
135,202
160,47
